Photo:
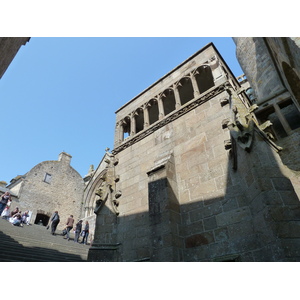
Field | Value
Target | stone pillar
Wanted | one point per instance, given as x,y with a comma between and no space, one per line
177,96
132,123
282,119
146,115
161,113
120,131
195,86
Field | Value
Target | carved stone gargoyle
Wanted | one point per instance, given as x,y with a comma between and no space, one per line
242,125
243,134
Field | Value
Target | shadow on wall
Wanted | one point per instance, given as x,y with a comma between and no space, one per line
257,219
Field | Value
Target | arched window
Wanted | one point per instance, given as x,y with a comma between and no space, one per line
185,89
169,102
153,111
204,78
126,128
139,120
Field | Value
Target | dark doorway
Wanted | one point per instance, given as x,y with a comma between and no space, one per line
42,219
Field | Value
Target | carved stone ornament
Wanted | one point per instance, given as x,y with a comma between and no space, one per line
206,96
242,125
107,189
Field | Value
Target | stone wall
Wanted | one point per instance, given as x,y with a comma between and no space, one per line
61,191
9,46
254,58
166,176
204,183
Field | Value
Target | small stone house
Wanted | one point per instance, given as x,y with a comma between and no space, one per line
47,187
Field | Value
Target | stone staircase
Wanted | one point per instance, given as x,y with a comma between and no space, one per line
34,243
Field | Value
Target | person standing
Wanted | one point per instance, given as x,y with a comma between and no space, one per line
77,231
69,226
86,233
55,220
3,202
6,213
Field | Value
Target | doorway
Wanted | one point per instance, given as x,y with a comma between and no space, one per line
42,219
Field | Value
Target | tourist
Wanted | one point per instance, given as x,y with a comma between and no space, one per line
25,217
55,220
16,219
69,226
6,213
3,202
85,233
15,211
77,231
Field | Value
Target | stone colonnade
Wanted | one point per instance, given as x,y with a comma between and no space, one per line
188,88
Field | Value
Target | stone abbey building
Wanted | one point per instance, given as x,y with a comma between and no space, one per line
205,166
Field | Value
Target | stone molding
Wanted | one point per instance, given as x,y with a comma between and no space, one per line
209,94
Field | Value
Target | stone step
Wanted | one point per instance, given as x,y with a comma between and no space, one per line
19,250
29,242
35,243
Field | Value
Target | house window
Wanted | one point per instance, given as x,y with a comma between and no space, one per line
48,178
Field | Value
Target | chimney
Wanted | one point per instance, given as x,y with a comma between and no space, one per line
64,157
3,183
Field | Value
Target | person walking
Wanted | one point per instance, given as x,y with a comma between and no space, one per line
69,226
77,231
55,220
3,202
86,233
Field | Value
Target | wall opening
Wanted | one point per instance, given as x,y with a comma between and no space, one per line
139,120
204,78
153,111
186,91
169,102
41,219
276,130
126,128
291,113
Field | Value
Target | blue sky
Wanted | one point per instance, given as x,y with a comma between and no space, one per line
61,94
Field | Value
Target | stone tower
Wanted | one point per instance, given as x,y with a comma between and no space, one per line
272,66
199,170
